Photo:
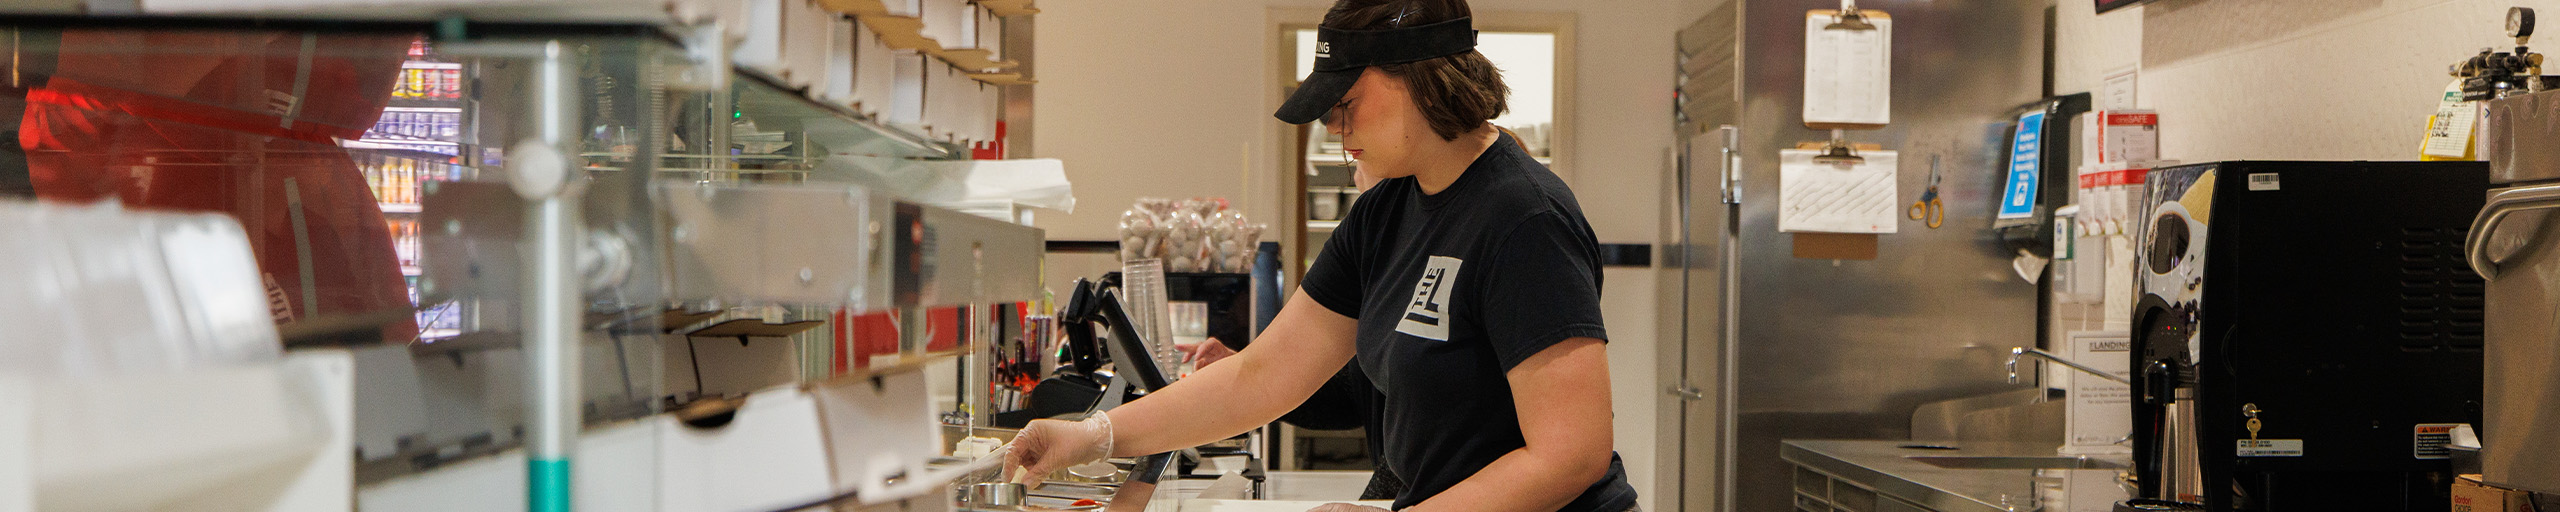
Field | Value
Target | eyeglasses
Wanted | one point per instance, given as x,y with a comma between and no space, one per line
1338,118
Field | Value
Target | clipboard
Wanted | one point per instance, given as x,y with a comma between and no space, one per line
1814,245
1855,198
1848,71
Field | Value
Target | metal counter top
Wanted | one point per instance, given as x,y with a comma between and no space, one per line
1887,467
1289,491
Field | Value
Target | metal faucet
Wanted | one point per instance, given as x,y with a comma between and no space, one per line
2016,353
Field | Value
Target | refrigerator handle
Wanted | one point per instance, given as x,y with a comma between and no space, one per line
2475,243
1731,174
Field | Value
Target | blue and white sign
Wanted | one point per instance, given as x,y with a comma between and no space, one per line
2026,155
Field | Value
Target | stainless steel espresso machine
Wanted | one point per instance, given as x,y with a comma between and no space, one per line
2307,334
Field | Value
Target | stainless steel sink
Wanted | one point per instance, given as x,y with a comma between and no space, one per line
1960,462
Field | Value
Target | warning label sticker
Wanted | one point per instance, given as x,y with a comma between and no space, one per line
2270,447
2433,441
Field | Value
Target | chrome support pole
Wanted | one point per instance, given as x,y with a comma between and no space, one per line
541,171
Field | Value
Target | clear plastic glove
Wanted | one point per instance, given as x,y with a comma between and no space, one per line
1046,446
1346,507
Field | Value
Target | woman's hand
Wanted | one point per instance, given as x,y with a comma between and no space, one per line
1346,507
1204,353
1046,446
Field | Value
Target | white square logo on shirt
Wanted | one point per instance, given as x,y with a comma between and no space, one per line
1428,315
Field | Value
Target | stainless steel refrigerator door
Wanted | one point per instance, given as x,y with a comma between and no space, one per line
1702,249
2521,424
1847,350
1696,289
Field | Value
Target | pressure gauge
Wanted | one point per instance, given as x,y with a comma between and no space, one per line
2519,22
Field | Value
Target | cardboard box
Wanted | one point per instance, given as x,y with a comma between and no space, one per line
2470,495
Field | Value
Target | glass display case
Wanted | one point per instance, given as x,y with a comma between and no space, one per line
572,262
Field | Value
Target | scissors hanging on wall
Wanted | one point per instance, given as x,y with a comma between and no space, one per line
1929,209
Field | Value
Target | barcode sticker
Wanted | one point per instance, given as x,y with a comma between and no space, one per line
2265,181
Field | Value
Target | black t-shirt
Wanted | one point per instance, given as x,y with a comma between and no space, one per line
1452,290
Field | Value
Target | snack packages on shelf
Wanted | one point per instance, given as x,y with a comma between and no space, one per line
1190,235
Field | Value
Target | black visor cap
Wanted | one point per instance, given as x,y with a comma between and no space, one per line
1341,54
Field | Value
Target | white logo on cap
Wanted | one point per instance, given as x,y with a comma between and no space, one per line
1324,50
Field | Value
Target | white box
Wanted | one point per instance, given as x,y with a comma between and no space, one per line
2108,136
840,57
877,428
990,32
942,94
875,72
808,34
270,436
771,455
730,15
790,40
906,95
946,21
971,19
762,48
990,110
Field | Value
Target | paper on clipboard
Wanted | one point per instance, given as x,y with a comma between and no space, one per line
1830,198
1848,74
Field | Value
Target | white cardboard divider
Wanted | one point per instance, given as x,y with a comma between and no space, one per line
762,48
771,455
876,429
267,437
790,40
990,107
990,31
616,468
875,72
807,35
948,21
17,445
730,14
938,93
907,94
840,58
944,21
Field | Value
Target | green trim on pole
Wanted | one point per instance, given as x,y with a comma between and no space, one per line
547,485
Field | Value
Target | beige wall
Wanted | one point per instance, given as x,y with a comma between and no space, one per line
1170,98
2283,79
1173,98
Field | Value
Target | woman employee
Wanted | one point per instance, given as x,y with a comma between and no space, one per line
1467,282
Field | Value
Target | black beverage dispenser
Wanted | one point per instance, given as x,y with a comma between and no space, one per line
2307,333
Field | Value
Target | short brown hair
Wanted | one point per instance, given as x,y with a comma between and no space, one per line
1456,93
